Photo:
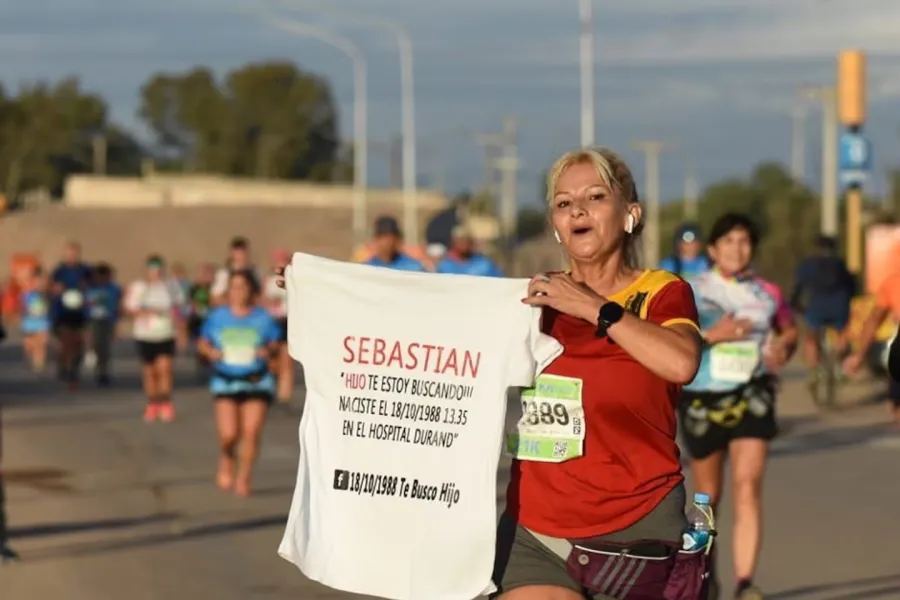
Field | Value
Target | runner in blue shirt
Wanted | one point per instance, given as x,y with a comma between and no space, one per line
35,320
689,258
70,280
386,243
462,259
104,299
239,339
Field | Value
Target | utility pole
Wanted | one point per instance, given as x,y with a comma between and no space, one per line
651,149
586,22
798,143
691,193
508,165
827,97
491,142
501,154
393,149
396,154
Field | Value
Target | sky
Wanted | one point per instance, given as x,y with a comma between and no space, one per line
714,79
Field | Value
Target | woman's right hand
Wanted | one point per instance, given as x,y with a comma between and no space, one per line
728,329
279,277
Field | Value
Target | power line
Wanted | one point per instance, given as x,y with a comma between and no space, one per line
651,149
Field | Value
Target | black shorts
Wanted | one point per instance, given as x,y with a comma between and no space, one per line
73,321
150,351
243,397
710,420
282,327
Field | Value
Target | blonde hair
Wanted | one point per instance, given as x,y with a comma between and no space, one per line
614,173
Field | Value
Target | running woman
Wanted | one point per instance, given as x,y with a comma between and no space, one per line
275,301
34,321
155,304
729,408
104,298
240,338
70,279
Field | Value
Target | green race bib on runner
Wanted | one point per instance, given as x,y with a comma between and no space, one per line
552,425
734,361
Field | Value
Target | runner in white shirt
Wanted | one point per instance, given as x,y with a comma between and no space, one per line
274,299
155,303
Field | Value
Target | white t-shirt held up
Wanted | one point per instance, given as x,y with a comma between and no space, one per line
406,375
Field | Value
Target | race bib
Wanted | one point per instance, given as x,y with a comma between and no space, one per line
37,308
158,326
734,361
239,356
72,299
552,425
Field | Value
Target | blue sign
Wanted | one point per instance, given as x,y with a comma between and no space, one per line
854,159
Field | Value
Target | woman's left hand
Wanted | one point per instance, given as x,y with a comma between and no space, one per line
560,292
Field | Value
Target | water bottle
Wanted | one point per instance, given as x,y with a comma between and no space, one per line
699,524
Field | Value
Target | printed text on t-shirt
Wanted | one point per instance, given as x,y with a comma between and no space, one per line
411,356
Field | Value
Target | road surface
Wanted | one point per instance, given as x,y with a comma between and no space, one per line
104,507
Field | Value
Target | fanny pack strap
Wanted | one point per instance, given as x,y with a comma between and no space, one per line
246,377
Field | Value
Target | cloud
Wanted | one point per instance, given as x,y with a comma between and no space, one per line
705,71
750,31
61,44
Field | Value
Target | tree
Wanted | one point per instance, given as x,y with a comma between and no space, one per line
46,134
265,120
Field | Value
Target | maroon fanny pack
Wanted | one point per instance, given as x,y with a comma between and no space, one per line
642,570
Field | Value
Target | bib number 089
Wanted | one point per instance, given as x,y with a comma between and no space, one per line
546,413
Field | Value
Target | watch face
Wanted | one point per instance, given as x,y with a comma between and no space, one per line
611,312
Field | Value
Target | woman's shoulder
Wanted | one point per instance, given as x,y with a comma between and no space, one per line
656,280
217,312
262,314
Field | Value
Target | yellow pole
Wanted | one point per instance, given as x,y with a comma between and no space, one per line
854,230
852,104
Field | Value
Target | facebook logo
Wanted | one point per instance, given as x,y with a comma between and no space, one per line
341,479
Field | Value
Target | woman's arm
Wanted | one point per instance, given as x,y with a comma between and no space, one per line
670,351
667,342
131,299
207,350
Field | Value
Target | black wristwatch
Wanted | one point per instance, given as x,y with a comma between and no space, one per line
610,314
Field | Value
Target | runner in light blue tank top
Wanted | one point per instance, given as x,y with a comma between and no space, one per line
729,407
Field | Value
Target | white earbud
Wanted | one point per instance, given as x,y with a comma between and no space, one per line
556,235
629,226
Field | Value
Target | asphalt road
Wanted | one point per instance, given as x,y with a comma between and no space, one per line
104,507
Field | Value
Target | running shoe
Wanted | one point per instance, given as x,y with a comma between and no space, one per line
166,412
151,412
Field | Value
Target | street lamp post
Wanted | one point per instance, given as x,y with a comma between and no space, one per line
826,95
586,19
360,112
407,103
